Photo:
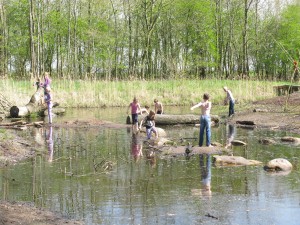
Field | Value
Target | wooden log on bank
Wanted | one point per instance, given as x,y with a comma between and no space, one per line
168,119
33,106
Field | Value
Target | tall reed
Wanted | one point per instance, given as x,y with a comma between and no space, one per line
86,93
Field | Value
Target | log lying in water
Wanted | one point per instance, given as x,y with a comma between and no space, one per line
168,119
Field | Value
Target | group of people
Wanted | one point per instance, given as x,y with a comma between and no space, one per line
149,120
205,121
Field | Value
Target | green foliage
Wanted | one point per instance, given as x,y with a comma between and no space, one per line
145,39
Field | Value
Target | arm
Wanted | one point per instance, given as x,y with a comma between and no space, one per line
197,105
142,122
139,109
162,108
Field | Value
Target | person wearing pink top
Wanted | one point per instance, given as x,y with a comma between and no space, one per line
204,119
135,110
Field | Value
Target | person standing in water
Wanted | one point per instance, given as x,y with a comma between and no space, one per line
205,123
158,107
48,101
230,98
135,110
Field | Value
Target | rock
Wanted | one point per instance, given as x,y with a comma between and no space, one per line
279,164
260,110
238,143
245,122
161,132
266,141
216,144
290,139
234,160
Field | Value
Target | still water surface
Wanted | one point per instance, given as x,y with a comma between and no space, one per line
107,176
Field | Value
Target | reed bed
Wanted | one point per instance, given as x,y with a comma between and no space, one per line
86,93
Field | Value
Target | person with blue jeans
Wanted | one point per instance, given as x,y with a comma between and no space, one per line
204,119
230,98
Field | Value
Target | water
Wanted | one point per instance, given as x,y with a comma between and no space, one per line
102,176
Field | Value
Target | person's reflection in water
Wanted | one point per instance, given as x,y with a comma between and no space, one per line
151,158
50,145
136,147
205,167
230,135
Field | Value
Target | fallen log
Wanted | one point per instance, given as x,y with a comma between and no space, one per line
169,119
13,123
33,106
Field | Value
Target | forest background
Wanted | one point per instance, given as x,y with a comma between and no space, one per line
116,46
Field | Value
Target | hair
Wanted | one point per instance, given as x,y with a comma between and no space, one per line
135,99
206,96
151,114
155,100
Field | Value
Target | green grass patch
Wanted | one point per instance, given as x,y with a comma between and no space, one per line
80,93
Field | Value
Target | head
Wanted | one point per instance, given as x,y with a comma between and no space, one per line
46,75
155,100
151,114
206,96
147,107
48,89
135,100
225,88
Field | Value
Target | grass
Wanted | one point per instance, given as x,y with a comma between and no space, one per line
79,93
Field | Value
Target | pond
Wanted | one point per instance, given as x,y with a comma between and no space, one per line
107,176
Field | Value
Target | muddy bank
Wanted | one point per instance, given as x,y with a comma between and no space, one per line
25,213
278,113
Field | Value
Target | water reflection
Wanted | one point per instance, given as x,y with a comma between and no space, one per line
205,167
136,193
231,133
136,147
50,144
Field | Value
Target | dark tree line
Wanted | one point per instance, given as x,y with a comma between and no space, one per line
149,39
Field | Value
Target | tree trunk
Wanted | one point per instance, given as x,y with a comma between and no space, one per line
165,119
33,106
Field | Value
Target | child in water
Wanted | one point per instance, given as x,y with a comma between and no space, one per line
149,122
48,101
135,110
205,106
